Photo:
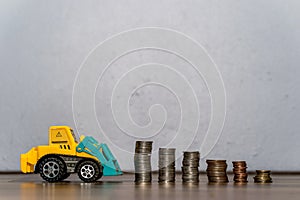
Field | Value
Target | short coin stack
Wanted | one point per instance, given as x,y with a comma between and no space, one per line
142,161
263,176
190,167
240,171
166,165
216,171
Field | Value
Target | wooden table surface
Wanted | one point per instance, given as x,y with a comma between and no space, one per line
32,187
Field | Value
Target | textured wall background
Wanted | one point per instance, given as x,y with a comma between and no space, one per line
255,45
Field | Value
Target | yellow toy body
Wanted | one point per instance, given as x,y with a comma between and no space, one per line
64,147
61,142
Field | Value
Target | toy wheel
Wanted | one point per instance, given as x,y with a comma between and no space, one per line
89,171
52,169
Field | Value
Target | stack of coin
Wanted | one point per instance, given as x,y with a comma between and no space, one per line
142,161
240,171
166,165
263,176
216,171
190,167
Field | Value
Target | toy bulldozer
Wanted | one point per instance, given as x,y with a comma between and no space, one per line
65,155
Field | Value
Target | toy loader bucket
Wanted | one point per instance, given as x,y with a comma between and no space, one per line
102,153
28,160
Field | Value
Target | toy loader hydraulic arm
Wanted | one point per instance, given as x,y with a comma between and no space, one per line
102,153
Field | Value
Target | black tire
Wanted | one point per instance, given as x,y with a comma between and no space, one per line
52,169
101,173
89,171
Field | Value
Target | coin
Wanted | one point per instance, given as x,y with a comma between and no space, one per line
216,171
142,161
240,171
263,176
190,166
166,165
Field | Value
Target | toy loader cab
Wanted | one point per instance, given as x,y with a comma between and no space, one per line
65,155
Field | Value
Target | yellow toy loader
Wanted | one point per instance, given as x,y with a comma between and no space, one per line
65,155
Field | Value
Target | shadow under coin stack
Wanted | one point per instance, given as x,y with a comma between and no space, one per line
262,176
166,165
240,171
142,161
190,167
216,171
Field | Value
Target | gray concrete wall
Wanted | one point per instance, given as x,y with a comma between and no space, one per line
254,45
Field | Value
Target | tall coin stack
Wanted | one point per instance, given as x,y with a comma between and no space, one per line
263,176
216,171
190,167
240,171
142,161
166,165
